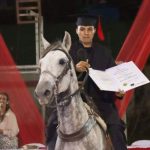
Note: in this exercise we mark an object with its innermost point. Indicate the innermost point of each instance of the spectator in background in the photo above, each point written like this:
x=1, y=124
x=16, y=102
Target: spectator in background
x=8, y=124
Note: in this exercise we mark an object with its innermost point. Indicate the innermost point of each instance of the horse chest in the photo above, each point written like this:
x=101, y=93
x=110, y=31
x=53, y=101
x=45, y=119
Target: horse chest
x=93, y=141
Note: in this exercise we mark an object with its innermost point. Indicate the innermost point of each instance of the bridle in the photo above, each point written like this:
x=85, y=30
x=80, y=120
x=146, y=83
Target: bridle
x=65, y=96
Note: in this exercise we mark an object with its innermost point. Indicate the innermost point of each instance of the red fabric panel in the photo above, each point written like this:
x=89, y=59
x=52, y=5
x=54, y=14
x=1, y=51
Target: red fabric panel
x=30, y=122
x=136, y=47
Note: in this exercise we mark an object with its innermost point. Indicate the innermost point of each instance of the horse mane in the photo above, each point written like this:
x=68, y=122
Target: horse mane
x=54, y=45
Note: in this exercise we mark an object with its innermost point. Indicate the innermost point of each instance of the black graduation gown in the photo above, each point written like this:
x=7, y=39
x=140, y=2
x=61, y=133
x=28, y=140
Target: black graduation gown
x=99, y=58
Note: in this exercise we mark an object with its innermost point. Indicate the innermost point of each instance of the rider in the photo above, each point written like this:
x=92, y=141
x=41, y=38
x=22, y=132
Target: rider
x=87, y=53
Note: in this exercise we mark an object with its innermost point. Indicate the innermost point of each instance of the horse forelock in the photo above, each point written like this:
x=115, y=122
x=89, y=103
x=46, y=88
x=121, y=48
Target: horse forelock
x=55, y=45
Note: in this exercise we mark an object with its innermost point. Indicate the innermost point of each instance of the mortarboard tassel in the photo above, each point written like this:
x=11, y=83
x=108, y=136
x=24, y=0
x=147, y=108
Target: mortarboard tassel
x=100, y=31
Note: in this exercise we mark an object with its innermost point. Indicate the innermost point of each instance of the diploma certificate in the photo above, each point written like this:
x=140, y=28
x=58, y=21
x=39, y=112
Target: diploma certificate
x=124, y=77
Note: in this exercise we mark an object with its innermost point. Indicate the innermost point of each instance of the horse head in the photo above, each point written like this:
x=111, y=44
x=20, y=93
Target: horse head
x=55, y=69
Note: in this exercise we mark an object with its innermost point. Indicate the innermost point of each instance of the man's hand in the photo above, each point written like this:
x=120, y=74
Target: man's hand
x=119, y=62
x=82, y=66
x=120, y=94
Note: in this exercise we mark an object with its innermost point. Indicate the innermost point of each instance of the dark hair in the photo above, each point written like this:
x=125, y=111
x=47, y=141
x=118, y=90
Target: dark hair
x=7, y=96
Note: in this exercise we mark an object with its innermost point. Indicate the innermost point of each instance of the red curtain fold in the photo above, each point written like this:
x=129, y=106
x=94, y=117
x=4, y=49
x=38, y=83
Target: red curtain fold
x=30, y=121
x=136, y=47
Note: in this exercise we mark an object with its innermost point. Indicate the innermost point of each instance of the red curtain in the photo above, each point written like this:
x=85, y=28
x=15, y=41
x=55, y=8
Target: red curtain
x=30, y=122
x=136, y=47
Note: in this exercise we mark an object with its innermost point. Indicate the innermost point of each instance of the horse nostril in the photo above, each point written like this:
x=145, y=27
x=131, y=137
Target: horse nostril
x=47, y=93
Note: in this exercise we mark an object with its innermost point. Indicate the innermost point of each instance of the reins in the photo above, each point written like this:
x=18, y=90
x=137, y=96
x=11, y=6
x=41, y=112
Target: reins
x=79, y=89
x=89, y=124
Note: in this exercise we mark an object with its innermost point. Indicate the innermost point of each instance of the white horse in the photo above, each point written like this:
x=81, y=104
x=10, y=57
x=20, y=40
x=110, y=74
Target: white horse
x=77, y=129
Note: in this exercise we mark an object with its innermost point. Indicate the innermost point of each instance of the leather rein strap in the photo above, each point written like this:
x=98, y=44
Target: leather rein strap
x=90, y=123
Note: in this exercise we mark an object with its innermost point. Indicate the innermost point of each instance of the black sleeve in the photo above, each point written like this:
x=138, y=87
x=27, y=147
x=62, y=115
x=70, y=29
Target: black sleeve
x=73, y=54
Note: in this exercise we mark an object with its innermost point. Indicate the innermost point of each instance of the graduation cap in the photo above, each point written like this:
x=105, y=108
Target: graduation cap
x=89, y=20
x=86, y=20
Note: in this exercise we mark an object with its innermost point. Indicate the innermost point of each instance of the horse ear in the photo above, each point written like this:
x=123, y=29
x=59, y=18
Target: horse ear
x=45, y=43
x=67, y=41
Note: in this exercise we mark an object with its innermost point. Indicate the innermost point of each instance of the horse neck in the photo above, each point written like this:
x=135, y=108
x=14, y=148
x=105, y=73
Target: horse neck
x=73, y=116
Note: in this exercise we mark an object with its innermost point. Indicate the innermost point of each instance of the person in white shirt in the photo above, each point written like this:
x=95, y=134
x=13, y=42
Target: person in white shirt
x=8, y=124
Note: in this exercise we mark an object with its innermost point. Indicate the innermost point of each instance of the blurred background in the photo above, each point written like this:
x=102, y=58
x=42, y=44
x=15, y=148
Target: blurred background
x=116, y=19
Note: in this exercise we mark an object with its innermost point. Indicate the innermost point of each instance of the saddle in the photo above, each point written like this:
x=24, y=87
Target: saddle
x=102, y=124
x=99, y=120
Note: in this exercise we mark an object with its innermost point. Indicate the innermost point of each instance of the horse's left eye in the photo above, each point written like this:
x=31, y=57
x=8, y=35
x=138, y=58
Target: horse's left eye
x=62, y=61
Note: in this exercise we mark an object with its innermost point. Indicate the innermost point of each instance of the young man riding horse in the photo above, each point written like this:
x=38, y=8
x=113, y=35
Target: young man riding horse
x=99, y=58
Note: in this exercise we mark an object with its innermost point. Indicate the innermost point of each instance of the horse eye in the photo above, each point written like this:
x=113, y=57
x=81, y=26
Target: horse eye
x=62, y=61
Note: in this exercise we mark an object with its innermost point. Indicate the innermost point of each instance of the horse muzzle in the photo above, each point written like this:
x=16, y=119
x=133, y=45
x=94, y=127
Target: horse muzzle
x=44, y=92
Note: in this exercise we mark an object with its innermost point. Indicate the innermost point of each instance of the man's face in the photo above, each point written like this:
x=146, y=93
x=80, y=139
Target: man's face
x=85, y=34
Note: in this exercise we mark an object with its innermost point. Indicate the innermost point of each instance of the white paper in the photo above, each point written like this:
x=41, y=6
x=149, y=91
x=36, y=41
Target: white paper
x=124, y=77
